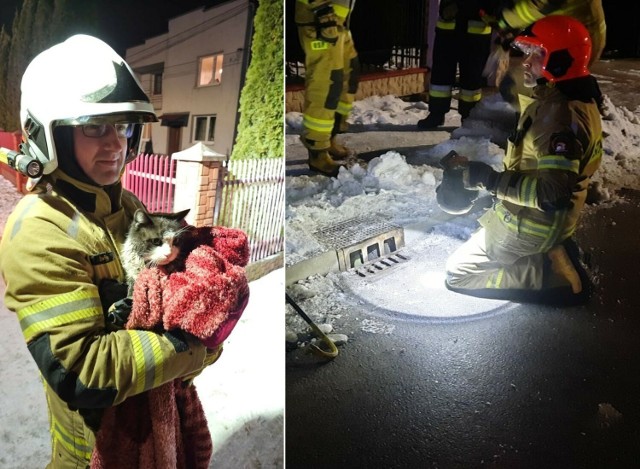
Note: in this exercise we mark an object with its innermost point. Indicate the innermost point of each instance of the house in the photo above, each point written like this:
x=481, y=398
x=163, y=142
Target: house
x=193, y=75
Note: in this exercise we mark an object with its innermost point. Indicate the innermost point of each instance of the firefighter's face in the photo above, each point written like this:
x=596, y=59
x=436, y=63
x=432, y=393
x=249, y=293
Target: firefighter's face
x=100, y=157
x=533, y=62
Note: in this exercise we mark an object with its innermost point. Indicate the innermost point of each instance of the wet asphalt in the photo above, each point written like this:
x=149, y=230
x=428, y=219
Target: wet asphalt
x=536, y=387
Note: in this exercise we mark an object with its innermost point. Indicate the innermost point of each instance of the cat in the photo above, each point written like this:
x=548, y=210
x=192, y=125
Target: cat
x=153, y=240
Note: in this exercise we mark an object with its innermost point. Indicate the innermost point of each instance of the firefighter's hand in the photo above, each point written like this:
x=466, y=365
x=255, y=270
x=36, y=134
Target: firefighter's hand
x=110, y=291
x=479, y=175
x=326, y=22
x=505, y=37
x=115, y=304
x=210, y=358
x=118, y=313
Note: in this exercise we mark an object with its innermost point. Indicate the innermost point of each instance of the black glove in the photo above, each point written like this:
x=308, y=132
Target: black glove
x=325, y=22
x=118, y=313
x=110, y=291
x=479, y=175
x=505, y=38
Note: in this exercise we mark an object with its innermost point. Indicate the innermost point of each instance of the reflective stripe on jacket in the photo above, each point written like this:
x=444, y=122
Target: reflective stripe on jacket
x=548, y=166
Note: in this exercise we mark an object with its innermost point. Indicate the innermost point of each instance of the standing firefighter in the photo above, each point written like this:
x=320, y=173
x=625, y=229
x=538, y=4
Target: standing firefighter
x=81, y=109
x=331, y=67
x=521, y=250
x=462, y=40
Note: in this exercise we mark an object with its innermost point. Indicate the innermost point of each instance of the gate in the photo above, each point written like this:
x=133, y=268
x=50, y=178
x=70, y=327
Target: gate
x=253, y=201
x=151, y=179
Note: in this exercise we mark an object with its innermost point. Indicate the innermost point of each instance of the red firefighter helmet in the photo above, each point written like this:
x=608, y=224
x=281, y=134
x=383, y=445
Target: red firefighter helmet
x=566, y=43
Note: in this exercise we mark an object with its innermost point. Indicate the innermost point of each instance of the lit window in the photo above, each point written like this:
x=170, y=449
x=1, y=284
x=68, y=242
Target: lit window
x=204, y=128
x=210, y=70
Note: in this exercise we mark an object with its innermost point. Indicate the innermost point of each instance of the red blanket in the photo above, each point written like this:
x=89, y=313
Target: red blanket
x=204, y=293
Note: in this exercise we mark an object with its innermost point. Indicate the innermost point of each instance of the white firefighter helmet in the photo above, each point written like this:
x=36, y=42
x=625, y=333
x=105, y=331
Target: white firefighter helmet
x=79, y=81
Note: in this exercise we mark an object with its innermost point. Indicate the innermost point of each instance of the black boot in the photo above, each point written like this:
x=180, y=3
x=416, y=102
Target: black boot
x=432, y=121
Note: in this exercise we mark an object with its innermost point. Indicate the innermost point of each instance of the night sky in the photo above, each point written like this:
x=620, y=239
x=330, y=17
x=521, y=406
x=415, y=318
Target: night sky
x=124, y=23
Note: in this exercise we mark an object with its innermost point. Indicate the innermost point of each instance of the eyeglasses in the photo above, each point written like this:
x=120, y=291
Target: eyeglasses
x=100, y=130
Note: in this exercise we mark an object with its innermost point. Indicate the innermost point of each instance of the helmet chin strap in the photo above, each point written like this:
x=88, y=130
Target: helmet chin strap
x=63, y=140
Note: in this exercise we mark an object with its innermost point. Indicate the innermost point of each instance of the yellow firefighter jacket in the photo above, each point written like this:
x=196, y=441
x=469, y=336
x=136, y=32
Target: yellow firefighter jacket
x=548, y=165
x=57, y=248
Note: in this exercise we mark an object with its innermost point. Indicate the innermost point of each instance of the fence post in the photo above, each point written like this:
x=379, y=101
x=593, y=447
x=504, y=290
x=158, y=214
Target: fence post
x=198, y=171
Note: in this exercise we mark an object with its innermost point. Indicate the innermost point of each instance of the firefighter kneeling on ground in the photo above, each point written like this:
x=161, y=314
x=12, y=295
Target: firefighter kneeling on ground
x=523, y=250
x=331, y=81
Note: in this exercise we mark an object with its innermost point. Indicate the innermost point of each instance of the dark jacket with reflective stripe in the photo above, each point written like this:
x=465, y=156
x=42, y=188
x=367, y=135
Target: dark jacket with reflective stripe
x=549, y=163
x=57, y=248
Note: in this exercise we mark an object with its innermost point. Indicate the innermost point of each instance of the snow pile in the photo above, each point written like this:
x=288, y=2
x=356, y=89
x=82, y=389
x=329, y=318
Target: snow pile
x=621, y=147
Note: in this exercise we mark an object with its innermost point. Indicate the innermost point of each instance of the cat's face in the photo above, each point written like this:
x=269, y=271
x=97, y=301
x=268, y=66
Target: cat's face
x=156, y=237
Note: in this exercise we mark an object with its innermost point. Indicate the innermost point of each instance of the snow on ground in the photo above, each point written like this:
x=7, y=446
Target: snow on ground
x=242, y=393
x=399, y=186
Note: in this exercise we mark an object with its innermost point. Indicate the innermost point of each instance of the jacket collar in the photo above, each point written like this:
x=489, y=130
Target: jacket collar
x=99, y=201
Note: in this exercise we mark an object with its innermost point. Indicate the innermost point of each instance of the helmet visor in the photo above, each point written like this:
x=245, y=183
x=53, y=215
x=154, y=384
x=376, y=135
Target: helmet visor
x=113, y=119
x=528, y=47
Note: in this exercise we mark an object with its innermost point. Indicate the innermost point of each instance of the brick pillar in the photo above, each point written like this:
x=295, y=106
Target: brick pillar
x=198, y=174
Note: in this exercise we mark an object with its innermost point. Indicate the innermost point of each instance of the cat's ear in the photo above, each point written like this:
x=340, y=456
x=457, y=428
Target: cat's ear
x=180, y=215
x=141, y=217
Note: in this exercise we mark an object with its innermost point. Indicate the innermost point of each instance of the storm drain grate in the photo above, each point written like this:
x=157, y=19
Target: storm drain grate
x=381, y=265
x=359, y=241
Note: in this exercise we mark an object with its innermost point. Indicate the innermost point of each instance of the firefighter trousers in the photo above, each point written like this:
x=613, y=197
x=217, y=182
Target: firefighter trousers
x=331, y=82
x=496, y=257
x=467, y=49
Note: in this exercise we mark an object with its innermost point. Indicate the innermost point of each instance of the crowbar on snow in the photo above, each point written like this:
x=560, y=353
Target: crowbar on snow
x=333, y=350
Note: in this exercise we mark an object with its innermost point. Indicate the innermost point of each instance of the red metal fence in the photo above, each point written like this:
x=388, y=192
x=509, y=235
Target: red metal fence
x=253, y=201
x=151, y=179
x=11, y=141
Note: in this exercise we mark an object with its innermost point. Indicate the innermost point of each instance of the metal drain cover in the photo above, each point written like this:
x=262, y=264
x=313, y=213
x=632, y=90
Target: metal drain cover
x=360, y=240
x=381, y=265
x=353, y=231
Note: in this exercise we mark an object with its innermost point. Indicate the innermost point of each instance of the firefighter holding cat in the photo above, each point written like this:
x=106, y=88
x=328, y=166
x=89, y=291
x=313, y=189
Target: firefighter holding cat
x=331, y=81
x=60, y=252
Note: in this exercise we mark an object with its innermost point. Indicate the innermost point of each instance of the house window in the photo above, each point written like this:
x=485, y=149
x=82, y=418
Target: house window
x=157, y=83
x=210, y=70
x=204, y=128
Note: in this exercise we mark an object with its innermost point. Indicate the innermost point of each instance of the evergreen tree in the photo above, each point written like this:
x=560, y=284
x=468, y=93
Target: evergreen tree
x=41, y=32
x=260, y=130
x=5, y=44
x=20, y=54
